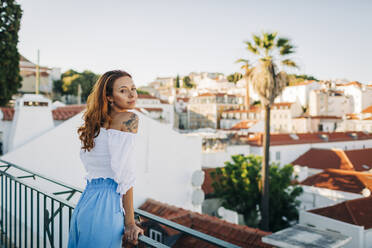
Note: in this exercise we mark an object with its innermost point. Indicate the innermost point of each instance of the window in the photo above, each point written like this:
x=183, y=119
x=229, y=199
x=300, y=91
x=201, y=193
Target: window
x=156, y=235
x=277, y=155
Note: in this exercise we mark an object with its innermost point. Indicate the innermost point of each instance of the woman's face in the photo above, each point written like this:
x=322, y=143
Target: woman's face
x=124, y=94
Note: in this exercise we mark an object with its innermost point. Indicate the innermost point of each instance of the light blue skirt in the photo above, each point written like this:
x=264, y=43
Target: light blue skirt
x=98, y=218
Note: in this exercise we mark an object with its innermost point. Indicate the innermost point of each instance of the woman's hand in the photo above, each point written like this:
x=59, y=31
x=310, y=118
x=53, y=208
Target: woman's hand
x=131, y=233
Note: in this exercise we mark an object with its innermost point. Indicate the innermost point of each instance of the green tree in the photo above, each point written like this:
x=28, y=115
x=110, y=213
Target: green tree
x=177, y=82
x=187, y=82
x=238, y=186
x=10, y=21
x=142, y=92
x=294, y=79
x=235, y=77
x=68, y=85
x=270, y=51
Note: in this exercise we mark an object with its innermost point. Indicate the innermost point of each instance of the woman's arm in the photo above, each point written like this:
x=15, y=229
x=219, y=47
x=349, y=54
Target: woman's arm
x=128, y=207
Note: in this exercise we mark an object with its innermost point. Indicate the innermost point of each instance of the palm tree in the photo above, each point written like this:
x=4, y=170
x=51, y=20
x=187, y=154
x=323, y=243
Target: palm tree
x=268, y=84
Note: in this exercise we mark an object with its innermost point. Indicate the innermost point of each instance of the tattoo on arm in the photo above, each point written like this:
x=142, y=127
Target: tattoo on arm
x=132, y=123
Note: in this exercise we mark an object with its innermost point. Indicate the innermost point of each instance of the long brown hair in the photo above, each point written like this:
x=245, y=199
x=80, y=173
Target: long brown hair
x=98, y=109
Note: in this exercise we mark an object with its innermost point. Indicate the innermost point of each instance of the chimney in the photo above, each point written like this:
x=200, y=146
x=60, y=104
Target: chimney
x=32, y=117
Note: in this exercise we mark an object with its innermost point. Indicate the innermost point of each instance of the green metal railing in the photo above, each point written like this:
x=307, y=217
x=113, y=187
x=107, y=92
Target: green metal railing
x=43, y=220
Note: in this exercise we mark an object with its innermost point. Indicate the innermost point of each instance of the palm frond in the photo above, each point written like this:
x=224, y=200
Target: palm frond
x=245, y=61
x=258, y=41
x=252, y=48
x=282, y=42
x=289, y=63
x=286, y=49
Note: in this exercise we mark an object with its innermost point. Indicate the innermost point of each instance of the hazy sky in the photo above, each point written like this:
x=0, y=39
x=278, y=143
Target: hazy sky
x=169, y=37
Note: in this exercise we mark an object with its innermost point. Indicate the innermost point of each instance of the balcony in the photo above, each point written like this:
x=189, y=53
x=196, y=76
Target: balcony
x=33, y=217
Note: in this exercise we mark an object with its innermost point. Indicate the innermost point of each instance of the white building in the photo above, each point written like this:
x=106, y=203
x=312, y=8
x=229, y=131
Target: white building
x=333, y=186
x=327, y=102
x=299, y=92
x=286, y=148
x=351, y=218
x=358, y=121
x=28, y=73
x=156, y=108
x=360, y=93
x=281, y=116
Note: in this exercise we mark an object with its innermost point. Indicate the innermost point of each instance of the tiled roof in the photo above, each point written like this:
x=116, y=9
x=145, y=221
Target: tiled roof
x=244, y=124
x=184, y=99
x=306, y=138
x=8, y=113
x=68, y=111
x=240, y=235
x=336, y=159
x=318, y=117
x=355, y=83
x=216, y=94
x=357, y=212
x=60, y=113
x=163, y=101
x=367, y=110
x=207, y=184
x=282, y=104
x=304, y=83
x=151, y=109
x=146, y=96
x=252, y=109
x=343, y=180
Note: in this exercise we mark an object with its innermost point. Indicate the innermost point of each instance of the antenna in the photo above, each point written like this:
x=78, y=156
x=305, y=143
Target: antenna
x=37, y=72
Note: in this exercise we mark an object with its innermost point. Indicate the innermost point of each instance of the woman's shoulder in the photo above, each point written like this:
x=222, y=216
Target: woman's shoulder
x=126, y=122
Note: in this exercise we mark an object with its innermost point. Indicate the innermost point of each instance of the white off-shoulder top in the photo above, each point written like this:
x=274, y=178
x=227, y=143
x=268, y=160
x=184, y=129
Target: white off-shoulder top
x=112, y=157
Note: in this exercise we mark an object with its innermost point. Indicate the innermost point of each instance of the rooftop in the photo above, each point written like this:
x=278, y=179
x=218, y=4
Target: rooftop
x=357, y=212
x=305, y=138
x=343, y=180
x=316, y=158
x=240, y=235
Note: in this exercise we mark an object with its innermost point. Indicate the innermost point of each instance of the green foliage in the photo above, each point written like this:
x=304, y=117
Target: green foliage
x=238, y=185
x=10, y=21
x=294, y=79
x=235, y=77
x=68, y=85
x=177, y=82
x=187, y=82
x=142, y=92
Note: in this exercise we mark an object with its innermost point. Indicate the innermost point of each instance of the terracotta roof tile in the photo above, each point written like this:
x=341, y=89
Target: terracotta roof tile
x=244, y=125
x=151, y=109
x=146, y=96
x=336, y=159
x=357, y=212
x=68, y=111
x=318, y=117
x=8, y=113
x=240, y=235
x=306, y=138
x=60, y=113
x=367, y=110
x=207, y=184
x=343, y=180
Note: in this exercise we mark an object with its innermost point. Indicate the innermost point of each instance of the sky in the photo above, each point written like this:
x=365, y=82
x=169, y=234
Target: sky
x=164, y=38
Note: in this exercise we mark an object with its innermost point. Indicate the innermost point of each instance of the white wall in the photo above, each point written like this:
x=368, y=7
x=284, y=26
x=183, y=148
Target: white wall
x=315, y=197
x=357, y=233
x=217, y=159
x=289, y=153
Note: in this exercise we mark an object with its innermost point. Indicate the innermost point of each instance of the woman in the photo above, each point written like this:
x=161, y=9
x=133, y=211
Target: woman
x=108, y=138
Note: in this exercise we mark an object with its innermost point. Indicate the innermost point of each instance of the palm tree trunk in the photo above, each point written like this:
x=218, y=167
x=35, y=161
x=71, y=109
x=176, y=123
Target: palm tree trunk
x=247, y=102
x=265, y=172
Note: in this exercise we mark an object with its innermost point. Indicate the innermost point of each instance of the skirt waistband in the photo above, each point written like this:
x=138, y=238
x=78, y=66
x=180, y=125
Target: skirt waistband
x=101, y=183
